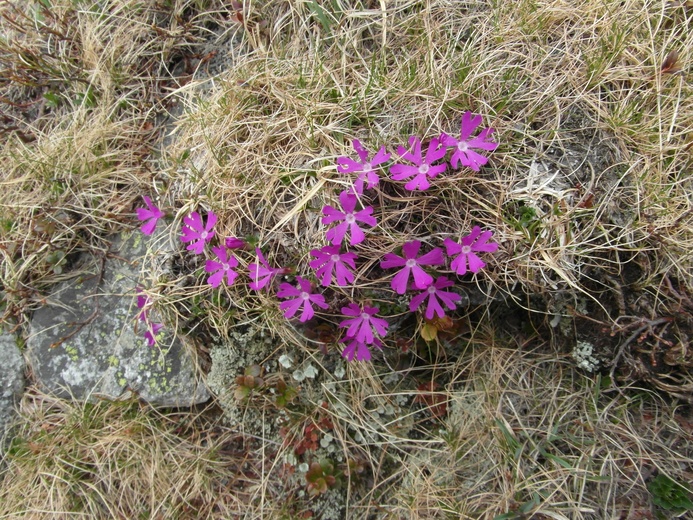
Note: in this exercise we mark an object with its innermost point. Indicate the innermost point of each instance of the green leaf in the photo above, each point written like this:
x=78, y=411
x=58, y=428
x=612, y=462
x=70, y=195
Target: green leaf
x=321, y=15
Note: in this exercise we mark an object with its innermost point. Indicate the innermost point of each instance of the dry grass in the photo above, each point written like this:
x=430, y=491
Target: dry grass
x=529, y=436
x=82, y=87
x=120, y=460
x=588, y=194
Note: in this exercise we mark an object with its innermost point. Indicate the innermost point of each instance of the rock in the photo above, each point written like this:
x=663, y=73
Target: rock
x=11, y=380
x=83, y=342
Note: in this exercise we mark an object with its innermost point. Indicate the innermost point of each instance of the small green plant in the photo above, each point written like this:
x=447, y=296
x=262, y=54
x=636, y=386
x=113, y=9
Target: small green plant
x=249, y=381
x=57, y=260
x=669, y=494
x=285, y=394
x=523, y=218
x=322, y=476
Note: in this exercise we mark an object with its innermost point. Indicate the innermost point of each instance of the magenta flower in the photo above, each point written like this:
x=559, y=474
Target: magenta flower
x=150, y=335
x=356, y=349
x=363, y=324
x=302, y=298
x=349, y=219
x=142, y=303
x=151, y=214
x=365, y=168
x=262, y=274
x=329, y=260
x=196, y=232
x=471, y=244
x=434, y=293
x=234, y=243
x=223, y=267
x=412, y=265
x=464, y=152
x=423, y=165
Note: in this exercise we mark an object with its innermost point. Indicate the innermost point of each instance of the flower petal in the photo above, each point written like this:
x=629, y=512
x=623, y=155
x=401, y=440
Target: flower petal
x=452, y=247
x=421, y=278
x=449, y=298
x=433, y=257
x=336, y=234
x=286, y=290
x=211, y=221
x=360, y=150
x=350, y=310
x=435, y=151
x=392, y=260
x=348, y=201
x=331, y=215
x=194, y=221
x=365, y=216
x=319, y=300
x=357, y=234
x=348, y=165
x=380, y=157
x=400, y=280
x=400, y=172
x=459, y=264
x=148, y=227
x=417, y=300
x=216, y=278
x=434, y=308
x=197, y=247
x=475, y=263
x=468, y=125
x=410, y=249
x=471, y=237
x=290, y=307
x=420, y=182
x=307, y=313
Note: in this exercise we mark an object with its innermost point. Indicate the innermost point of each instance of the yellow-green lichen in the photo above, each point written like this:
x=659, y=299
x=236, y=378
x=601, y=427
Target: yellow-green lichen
x=71, y=351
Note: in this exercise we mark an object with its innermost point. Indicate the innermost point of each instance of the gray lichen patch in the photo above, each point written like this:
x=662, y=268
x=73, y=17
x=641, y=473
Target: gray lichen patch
x=83, y=342
x=11, y=380
x=229, y=361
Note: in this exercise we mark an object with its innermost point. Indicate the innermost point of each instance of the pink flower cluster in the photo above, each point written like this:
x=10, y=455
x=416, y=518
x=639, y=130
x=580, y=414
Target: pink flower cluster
x=349, y=222
x=464, y=257
x=418, y=167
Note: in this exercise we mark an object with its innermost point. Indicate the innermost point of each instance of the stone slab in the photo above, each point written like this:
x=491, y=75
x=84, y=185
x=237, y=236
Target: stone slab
x=84, y=343
x=11, y=380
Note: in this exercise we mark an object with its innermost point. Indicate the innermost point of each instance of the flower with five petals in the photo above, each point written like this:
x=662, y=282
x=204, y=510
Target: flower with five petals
x=223, y=267
x=423, y=168
x=464, y=146
x=196, y=232
x=365, y=169
x=466, y=251
x=301, y=297
x=434, y=293
x=350, y=219
x=412, y=264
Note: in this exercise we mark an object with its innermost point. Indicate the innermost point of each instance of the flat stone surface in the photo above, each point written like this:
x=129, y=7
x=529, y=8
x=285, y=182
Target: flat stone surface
x=11, y=380
x=83, y=343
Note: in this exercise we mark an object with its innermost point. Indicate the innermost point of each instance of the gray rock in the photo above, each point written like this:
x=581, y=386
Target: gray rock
x=11, y=380
x=83, y=342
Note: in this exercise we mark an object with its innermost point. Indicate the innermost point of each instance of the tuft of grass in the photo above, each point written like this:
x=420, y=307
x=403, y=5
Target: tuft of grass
x=577, y=195
x=120, y=460
x=83, y=93
x=526, y=435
